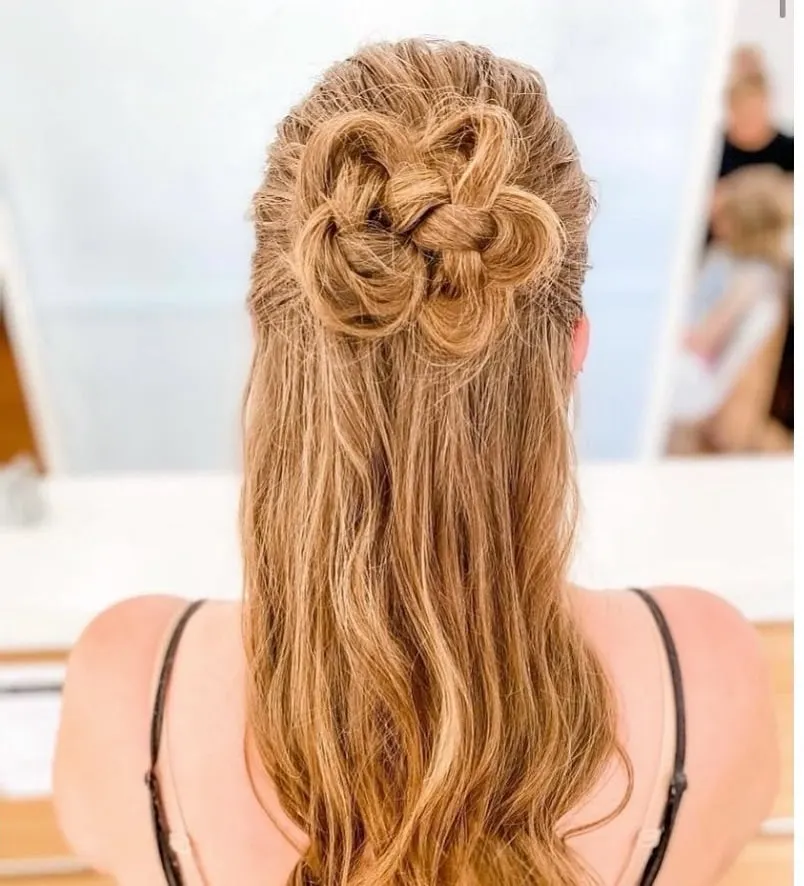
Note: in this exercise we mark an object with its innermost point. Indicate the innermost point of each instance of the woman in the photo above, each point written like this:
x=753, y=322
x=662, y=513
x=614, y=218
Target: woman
x=417, y=695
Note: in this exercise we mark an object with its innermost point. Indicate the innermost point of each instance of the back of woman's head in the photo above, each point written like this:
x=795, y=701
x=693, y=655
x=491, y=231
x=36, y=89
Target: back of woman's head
x=419, y=692
x=747, y=59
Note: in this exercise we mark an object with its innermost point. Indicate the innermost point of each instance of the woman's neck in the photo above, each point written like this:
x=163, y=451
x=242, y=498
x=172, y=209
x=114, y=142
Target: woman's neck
x=753, y=141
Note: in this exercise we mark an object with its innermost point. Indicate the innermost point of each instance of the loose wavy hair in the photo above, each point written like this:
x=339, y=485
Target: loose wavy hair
x=420, y=693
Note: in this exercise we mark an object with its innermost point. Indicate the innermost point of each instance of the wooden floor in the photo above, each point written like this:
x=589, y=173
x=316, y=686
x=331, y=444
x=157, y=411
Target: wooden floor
x=29, y=829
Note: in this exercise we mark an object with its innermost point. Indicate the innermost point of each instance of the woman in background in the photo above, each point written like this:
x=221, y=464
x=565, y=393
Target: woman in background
x=752, y=138
x=412, y=692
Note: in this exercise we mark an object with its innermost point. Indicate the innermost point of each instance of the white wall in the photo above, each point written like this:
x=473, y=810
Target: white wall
x=725, y=525
x=760, y=22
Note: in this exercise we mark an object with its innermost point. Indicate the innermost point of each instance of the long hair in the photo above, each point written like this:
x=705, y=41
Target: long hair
x=420, y=694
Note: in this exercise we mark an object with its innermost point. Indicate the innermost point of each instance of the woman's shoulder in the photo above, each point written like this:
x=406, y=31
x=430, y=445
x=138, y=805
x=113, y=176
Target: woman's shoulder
x=704, y=627
x=733, y=744
x=731, y=741
x=129, y=628
x=724, y=669
x=106, y=707
x=119, y=644
x=707, y=624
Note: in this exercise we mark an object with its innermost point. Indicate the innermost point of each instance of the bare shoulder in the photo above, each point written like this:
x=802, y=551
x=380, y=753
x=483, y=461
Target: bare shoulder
x=711, y=635
x=715, y=640
x=732, y=742
x=103, y=735
x=724, y=668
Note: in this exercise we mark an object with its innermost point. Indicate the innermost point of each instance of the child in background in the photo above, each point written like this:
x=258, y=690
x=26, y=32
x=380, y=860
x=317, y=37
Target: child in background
x=737, y=311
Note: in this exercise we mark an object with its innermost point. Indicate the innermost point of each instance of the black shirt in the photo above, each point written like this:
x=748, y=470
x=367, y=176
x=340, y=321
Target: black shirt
x=779, y=152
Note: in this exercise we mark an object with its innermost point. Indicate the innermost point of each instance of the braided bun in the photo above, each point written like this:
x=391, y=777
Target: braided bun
x=400, y=226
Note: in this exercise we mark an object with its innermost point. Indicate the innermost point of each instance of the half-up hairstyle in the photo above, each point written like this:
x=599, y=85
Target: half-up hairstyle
x=420, y=693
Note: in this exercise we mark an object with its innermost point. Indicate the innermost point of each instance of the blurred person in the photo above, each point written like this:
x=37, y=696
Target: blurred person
x=411, y=692
x=752, y=137
x=732, y=348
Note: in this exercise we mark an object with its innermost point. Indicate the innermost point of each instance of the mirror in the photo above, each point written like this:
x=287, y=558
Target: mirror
x=731, y=372
x=132, y=141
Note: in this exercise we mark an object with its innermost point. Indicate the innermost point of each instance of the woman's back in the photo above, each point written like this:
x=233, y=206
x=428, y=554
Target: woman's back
x=424, y=697
x=236, y=824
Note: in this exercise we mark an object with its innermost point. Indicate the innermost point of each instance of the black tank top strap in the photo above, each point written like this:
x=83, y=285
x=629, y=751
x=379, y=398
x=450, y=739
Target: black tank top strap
x=678, y=780
x=167, y=856
x=676, y=789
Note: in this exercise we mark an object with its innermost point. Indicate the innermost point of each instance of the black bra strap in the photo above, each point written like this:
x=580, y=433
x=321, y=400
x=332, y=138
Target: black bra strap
x=167, y=857
x=158, y=714
x=678, y=780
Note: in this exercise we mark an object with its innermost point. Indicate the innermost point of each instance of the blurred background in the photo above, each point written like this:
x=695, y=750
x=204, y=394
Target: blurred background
x=132, y=135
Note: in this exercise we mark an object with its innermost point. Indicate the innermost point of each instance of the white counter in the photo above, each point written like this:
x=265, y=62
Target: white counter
x=726, y=525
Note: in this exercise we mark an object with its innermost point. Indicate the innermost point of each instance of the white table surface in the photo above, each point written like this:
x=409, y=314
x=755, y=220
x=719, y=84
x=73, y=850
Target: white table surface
x=722, y=524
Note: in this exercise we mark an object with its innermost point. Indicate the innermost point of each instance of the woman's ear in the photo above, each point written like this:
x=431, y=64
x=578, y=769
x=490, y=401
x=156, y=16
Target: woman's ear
x=580, y=344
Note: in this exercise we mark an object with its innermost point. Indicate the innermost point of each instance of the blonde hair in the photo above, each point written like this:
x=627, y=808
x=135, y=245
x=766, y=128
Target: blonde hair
x=751, y=83
x=748, y=73
x=747, y=59
x=756, y=203
x=419, y=691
